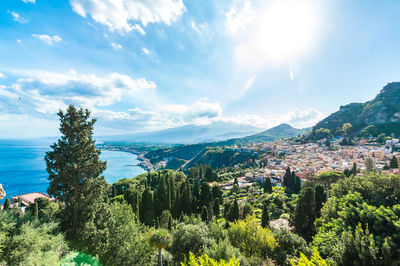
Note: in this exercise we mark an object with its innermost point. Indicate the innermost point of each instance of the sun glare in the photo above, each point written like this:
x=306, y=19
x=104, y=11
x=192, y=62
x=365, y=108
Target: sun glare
x=282, y=30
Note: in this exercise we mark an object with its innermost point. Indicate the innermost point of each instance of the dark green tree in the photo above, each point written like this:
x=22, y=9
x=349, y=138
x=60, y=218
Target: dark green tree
x=162, y=199
x=216, y=207
x=235, y=211
x=75, y=170
x=35, y=210
x=394, y=164
x=267, y=185
x=320, y=199
x=147, y=213
x=304, y=216
x=297, y=185
x=186, y=198
x=286, y=178
x=205, y=195
x=354, y=169
x=265, y=216
x=204, y=214
x=6, y=205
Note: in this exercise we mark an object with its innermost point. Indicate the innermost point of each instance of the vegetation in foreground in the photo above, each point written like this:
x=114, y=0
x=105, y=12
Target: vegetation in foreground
x=174, y=218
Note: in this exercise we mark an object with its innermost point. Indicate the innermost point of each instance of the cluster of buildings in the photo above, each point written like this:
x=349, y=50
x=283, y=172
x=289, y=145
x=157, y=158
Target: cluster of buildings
x=316, y=158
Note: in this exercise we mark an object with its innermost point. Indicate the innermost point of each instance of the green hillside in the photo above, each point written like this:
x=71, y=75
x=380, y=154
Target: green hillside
x=380, y=115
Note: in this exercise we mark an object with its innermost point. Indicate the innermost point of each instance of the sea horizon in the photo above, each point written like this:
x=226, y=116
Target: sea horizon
x=23, y=169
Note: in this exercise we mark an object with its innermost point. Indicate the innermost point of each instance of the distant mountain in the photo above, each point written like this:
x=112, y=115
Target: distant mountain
x=189, y=134
x=279, y=132
x=380, y=115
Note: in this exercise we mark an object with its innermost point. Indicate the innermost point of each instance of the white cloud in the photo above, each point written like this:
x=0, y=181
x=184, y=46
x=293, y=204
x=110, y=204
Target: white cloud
x=145, y=51
x=19, y=41
x=47, y=39
x=28, y=1
x=116, y=45
x=2, y=75
x=239, y=15
x=17, y=17
x=295, y=118
x=201, y=28
x=291, y=75
x=120, y=15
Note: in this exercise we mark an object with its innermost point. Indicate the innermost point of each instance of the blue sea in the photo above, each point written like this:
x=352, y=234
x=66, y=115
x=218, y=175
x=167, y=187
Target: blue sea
x=23, y=169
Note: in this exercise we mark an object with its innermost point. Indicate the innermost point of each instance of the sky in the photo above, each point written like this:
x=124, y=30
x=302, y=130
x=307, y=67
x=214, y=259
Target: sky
x=142, y=65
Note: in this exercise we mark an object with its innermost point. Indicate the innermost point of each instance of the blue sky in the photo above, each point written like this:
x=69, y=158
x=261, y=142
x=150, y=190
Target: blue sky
x=146, y=65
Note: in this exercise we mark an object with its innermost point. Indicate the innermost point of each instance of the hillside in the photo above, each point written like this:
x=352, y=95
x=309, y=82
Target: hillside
x=379, y=115
x=197, y=153
x=281, y=131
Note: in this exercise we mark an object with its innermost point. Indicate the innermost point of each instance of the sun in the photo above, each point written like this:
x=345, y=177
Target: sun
x=280, y=31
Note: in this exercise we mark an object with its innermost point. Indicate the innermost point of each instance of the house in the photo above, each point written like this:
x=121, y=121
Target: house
x=29, y=198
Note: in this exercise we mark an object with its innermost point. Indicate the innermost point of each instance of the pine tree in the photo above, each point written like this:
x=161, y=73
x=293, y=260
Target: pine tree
x=320, y=199
x=297, y=185
x=6, y=205
x=265, y=216
x=75, y=170
x=394, y=164
x=267, y=185
x=304, y=216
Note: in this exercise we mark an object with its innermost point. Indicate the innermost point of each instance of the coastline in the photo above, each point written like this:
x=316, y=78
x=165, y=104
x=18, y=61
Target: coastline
x=144, y=163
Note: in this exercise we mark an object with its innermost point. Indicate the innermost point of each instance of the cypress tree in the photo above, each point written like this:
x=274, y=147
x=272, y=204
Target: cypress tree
x=35, y=210
x=205, y=195
x=297, y=185
x=216, y=207
x=235, y=210
x=235, y=182
x=292, y=180
x=286, y=178
x=75, y=169
x=186, y=198
x=267, y=185
x=210, y=212
x=394, y=164
x=162, y=200
x=204, y=214
x=265, y=216
x=354, y=169
x=320, y=199
x=6, y=205
x=304, y=216
x=147, y=213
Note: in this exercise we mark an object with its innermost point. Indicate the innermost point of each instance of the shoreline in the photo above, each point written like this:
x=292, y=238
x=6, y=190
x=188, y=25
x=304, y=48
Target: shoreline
x=144, y=163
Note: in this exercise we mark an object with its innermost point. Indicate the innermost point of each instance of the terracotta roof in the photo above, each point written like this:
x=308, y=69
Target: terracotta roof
x=30, y=197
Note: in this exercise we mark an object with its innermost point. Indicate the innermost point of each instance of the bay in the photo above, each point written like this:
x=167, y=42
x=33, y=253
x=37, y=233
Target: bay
x=23, y=169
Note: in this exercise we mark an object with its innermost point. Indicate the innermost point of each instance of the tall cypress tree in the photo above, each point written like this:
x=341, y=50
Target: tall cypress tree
x=186, y=198
x=204, y=214
x=267, y=185
x=205, y=195
x=35, y=210
x=265, y=216
x=216, y=207
x=6, y=205
x=75, y=170
x=320, y=199
x=235, y=210
x=394, y=163
x=147, y=213
x=297, y=185
x=286, y=178
x=354, y=169
x=162, y=200
x=304, y=216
